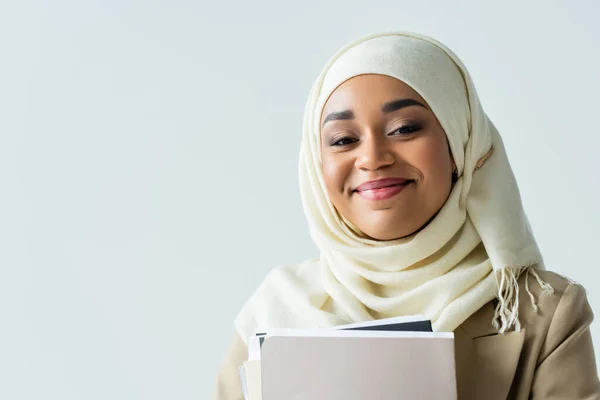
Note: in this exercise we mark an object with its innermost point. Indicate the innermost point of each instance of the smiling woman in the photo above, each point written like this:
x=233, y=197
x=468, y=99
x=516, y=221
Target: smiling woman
x=412, y=202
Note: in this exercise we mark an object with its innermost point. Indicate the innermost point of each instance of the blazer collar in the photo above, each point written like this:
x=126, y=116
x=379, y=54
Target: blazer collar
x=485, y=360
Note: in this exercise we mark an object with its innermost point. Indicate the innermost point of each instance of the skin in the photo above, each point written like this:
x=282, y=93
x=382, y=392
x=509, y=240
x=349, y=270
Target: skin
x=372, y=144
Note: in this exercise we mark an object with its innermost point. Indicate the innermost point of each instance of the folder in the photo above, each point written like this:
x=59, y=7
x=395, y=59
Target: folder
x=350, y=363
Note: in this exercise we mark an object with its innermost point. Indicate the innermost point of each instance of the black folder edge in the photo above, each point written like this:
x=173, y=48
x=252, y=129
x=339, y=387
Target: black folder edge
x=413, y=326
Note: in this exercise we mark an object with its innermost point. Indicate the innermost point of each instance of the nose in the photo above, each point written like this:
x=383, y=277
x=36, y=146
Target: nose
x=374, y=153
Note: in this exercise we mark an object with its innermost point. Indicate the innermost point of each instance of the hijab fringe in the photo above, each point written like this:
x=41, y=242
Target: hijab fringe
x=506, y=315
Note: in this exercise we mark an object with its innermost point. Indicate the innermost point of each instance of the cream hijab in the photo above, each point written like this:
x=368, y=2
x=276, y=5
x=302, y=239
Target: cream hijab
x=471, y=252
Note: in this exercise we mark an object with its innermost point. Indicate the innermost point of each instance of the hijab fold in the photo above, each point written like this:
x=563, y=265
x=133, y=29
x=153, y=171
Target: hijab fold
x=474, y=249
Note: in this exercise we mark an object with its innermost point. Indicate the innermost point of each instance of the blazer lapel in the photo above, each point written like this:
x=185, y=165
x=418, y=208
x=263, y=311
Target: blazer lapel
x=485, y=360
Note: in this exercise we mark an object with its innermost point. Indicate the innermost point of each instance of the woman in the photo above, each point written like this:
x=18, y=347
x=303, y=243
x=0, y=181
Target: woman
x=412, y=202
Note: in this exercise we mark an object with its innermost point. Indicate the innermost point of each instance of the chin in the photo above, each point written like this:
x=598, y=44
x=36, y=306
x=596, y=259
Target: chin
x=386, y=235
x=391, y=227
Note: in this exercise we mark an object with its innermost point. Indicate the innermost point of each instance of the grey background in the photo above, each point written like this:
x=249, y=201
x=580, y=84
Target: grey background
x=148, y=155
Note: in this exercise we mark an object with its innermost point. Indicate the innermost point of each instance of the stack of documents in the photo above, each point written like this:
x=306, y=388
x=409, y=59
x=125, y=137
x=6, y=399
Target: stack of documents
x=389, y=359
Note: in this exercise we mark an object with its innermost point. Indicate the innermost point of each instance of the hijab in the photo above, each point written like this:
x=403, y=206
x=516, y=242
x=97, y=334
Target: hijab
x=471, y=252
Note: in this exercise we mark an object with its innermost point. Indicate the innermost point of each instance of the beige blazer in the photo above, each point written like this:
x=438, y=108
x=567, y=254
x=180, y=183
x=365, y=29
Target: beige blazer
x=552, y=357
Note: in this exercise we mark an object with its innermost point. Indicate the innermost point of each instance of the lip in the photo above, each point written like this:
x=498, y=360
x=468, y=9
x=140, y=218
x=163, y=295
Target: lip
x=382, y=189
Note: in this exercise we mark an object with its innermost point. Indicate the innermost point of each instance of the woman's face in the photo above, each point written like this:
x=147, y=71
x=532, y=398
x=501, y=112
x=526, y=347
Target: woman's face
x=386, y=160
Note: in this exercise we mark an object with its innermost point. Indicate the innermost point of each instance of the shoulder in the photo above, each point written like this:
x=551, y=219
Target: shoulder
x=284, y=292
x=558, y=282
x=291, y=278
x=537, y=307
x=288, y=279
x=547, y=315
x=557, y=358
x=538, y=303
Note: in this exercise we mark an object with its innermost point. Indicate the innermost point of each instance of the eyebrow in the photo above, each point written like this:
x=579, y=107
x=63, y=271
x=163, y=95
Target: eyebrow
x=386, y=109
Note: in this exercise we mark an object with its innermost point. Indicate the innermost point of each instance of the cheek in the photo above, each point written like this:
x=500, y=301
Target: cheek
x=431, y=156
x=334, y=174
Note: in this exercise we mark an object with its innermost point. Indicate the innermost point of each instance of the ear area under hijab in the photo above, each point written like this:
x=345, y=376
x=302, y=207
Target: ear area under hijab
x=483, y=159
x=479, y=164
x=454, y=169
x=454, y=175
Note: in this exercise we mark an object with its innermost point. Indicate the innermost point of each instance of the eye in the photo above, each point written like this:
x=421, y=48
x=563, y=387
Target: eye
x=342, y=141
x=405, y=130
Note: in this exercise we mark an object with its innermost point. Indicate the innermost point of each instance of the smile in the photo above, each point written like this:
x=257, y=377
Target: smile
x=383, y=193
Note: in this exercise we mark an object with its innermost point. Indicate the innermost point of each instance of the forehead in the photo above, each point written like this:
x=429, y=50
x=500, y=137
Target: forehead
x=368, y=89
